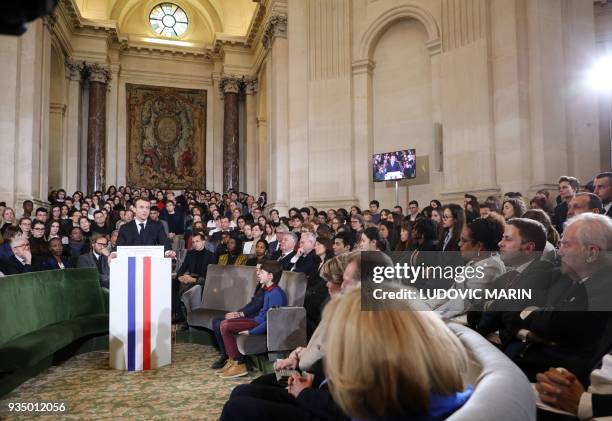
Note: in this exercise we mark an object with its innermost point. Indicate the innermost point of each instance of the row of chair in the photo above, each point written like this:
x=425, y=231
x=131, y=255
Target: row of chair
x=228, y=288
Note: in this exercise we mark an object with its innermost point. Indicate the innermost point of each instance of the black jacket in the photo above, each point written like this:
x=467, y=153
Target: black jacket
x=12, y=266
x=153, y=235
x=196, y=263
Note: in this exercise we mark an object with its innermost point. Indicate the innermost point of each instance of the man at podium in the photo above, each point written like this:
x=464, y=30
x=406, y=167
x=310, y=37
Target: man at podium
x=143, y=231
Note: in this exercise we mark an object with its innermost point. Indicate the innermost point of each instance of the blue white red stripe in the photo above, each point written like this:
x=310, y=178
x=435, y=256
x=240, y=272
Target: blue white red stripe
x=139, y=337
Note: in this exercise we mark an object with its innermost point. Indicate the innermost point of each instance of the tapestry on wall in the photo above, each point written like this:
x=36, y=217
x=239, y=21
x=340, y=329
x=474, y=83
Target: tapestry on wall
x=166, y=137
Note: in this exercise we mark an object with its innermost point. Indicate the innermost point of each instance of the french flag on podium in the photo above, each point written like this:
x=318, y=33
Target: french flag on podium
x=140, y=309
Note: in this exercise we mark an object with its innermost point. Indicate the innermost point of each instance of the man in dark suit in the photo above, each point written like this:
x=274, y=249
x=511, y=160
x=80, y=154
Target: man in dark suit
x=568, y=329
x=286, y=252
x=97, y=258
x=225, y=227
x=144, y=232
x=305, y=259
x=564, y=387
x=193, y=270
x=603, y=188
x=21, y=260
x=520, y=248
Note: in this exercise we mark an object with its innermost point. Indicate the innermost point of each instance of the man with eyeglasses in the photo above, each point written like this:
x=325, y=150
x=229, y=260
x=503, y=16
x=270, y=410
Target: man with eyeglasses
x=97, y=258
x=21, y=260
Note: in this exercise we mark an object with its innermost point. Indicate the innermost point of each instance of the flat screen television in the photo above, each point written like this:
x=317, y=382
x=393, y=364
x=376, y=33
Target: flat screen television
x=391, y=166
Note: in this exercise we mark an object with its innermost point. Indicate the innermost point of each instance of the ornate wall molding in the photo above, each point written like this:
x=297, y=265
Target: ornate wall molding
x=250, y=85
x=50, y=21
x=97, y=72
x=391, y=16
x=363, y=66
x=275, y=27
x=230, y=84
x=74, y=69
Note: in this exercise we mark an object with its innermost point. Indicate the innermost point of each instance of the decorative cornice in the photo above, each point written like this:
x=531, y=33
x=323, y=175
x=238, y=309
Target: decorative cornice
x=97, y=72
x=275, y=27
x=72, y=12
x=74, y=69
x=49, y=21
x=256, y=22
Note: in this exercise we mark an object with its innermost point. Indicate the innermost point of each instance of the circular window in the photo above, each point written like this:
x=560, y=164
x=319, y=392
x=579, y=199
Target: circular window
x=168, y=20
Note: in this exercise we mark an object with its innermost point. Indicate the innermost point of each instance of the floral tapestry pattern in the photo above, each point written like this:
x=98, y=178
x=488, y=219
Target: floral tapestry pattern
x=166, y=137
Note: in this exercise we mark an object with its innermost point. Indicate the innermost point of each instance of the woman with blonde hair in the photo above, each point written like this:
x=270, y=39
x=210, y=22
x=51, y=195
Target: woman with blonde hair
x=7, y=218
x=308, y=397
x=369, y=374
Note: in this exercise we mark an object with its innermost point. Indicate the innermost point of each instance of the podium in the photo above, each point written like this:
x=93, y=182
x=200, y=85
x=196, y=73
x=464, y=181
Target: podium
x=140, y=309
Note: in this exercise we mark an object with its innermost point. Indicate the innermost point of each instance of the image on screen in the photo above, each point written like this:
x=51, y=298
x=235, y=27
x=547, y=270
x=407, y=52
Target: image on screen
x=390, y=166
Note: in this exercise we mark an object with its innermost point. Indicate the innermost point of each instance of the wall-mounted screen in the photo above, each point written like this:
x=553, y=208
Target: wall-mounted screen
x=391, y=166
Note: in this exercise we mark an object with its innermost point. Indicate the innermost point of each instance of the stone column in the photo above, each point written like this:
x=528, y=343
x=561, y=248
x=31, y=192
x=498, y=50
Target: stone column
x=250, y=89
x=98, y=76
x=274, y=40
x=230, y=87
x=71, y=173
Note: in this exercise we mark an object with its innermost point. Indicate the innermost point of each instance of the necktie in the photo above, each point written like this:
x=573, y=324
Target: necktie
x=99, y=264
x=140, y=231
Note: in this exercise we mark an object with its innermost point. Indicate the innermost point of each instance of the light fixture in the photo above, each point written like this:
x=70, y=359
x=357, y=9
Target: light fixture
x=600, y=75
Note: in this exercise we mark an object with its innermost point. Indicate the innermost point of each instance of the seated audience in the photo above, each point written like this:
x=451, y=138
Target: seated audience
x=97, y=258
x=77, y=245
x=371, y=240
x=192, y=271
x=250, y=310
x=233, y=254
x=38, y=244
x=269, y=275
x=552, y=236
x=25, y=226
x=520, y=248
x=568, y=187
x=388, y=234
x=429, y=385
x=404, y=238
x=479, y=247
x=513, y=207
x=21, y=259
x=286, y=252
x=323, y=250
x=343, y=243
x=261, y=253
x=566, y=330
x=602, y=187
x=5, y=248
x=584, y=202
x=56, y=258
x=453, y=218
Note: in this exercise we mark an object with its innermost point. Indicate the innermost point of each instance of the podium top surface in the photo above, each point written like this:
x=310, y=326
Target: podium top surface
x=135, y=251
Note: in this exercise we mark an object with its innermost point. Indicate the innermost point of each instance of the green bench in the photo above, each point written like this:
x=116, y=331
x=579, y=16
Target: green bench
x=46, y=317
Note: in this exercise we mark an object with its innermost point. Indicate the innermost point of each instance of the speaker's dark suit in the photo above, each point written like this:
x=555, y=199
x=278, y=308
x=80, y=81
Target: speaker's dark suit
x=153, y=235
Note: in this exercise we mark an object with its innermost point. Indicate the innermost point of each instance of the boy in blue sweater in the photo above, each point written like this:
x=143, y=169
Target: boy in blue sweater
x=269, y=274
